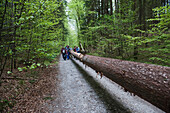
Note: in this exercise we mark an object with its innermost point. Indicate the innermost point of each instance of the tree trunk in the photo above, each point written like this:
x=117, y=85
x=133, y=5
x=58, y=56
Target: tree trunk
x=111, y=7
x=140, y=13
x=14, y=49
x=98, y=8
x=12, y=45
x=133, y=76
x=3, y=18
x=3, y=66
x=116, y=6
x=135, y=55
x=102, y=7
x=144, y=15
x=106, y=7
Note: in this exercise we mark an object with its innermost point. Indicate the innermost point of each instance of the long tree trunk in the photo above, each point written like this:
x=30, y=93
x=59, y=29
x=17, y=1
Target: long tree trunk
x=140, y=23
x=106, y=7
x=12, y=45
x=144, y=14
x=133, y=76
x=135, y=45
x=3, y=18
x=14, y=49
x=2, y=57
x=115, y=6
x=111, y=7
x=3, y=64
x=102, y=7
x=98, y=6
x=140, y=13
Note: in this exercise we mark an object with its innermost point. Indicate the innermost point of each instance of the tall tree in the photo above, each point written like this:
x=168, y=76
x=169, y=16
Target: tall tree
x=111, y=7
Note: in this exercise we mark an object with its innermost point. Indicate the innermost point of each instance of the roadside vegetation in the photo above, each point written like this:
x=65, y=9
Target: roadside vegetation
x=135, y=30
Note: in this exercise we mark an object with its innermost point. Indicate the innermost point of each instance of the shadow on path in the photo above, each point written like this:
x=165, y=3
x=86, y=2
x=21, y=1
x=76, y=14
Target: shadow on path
x=111, y=104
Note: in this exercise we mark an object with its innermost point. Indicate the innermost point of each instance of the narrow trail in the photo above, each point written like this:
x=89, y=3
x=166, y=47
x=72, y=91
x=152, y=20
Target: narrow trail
x=80, y=91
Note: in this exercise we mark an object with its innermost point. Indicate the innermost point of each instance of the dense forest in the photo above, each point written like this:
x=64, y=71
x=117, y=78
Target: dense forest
x=33, y=32
x=136, y=30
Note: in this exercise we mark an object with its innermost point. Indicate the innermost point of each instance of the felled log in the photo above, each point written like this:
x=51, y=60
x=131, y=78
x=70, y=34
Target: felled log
x=148, y=81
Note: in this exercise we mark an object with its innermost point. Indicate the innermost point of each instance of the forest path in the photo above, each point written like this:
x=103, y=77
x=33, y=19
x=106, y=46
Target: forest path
x=80, y=91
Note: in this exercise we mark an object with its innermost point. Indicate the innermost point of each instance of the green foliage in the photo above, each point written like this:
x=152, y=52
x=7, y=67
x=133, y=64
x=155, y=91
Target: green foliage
x=161, y=37
x=126, y=34
x=39, y=32
x=22, y=68
x=9, y=72
x=33, y=66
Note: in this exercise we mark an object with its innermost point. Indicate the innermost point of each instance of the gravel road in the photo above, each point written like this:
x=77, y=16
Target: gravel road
x=80, y=90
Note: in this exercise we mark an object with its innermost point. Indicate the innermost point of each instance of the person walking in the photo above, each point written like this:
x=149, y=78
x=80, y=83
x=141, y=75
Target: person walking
x=77, y=49
x=63, y=52
x=68, y=53
x=74, y=49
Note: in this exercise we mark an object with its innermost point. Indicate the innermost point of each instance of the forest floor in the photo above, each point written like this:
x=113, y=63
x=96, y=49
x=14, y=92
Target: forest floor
x=67, y=87
x=28, y=91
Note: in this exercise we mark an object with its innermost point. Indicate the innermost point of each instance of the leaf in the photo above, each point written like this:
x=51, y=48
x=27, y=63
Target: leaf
x=21, y=19
x=38, y=64
x=9, y=72
x=33, y=66
x=20, y=69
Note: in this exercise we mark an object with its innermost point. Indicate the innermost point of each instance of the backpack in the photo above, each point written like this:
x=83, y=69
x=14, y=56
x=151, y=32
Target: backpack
x=64, y=51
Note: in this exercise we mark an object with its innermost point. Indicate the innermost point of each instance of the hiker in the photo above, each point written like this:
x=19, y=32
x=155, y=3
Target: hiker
x=77, y=49
x=68, y=53
x=63, y=52
x=74, y=49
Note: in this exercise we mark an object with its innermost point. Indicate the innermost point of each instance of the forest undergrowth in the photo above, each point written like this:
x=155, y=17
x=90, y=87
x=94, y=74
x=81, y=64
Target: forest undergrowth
x=28, y=91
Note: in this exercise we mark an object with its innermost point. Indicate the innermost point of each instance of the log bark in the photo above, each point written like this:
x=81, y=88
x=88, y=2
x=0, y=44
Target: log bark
x=148, y=81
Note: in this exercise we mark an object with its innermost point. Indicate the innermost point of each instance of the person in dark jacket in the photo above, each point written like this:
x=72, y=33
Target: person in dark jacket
x=74, y=49
x=68, y=53
x=63, y=52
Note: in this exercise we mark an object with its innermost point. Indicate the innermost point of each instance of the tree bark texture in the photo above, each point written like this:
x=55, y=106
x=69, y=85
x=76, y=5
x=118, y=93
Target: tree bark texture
x=150, y=82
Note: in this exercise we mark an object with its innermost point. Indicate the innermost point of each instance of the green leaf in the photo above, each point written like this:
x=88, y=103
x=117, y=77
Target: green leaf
x=21, y=19
x=38, y=64
x=9, y=72
x=20, y=69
